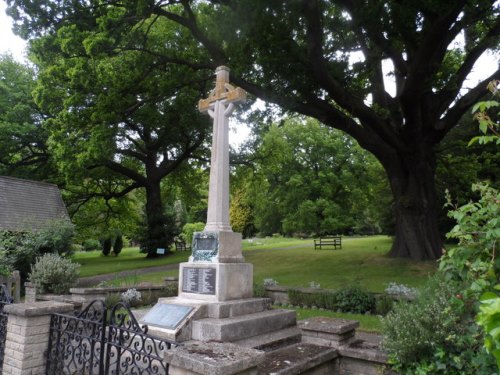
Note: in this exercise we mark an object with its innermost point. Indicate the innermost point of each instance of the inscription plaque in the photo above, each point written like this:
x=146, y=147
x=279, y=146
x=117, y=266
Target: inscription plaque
x=198, y=280
x=205, y=246
x=166, y=315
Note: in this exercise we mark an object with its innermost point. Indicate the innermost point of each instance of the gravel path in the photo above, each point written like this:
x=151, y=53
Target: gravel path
x=94, y=280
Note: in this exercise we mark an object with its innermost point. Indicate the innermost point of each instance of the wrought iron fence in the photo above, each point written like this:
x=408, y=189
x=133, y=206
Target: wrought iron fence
x=5, y=299
x=102, y=341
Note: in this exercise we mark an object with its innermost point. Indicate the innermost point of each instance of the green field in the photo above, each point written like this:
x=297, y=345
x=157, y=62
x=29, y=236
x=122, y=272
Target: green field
x=291, y=262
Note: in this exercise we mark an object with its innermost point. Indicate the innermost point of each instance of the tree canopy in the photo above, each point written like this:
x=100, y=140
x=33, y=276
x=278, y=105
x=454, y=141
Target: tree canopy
x=326, y=60
x=121, y=119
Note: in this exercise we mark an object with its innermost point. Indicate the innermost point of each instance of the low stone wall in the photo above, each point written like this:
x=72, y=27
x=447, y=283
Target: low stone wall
x=356, y=356
x=279, y=294
x=81, y=297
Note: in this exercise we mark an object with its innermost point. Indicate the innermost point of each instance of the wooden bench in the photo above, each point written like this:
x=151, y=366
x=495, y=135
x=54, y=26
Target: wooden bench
x=328, y=241
x=180, y=245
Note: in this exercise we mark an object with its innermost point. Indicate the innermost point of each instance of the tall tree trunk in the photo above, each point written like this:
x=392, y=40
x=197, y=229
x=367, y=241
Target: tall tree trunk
x=413, y=185
x=156, y=236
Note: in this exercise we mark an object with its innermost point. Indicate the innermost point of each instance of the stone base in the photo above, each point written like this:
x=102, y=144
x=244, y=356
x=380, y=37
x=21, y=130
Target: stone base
x=198, y=358
x=335, y=333
x=232, y=281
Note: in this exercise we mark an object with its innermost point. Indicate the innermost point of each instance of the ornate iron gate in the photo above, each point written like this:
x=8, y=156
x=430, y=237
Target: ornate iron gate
x=5, y=299
x=102, y=341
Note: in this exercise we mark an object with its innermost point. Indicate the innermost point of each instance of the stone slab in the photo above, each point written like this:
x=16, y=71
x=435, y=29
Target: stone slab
x=273, y=340
x=33, y=309
x=328, y=325
x=239, y=328
x=300, y=359
x=230, y=309
x=213, y=358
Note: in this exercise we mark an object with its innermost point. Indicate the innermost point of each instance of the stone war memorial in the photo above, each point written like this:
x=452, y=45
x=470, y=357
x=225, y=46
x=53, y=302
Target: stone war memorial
x=215, y=300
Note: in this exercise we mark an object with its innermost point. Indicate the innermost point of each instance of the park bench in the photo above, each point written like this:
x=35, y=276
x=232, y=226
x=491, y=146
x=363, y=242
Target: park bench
x=180, y=245
x=328, y=241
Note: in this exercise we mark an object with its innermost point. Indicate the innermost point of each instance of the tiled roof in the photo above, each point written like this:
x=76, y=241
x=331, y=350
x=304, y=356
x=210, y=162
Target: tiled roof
x=27, y=205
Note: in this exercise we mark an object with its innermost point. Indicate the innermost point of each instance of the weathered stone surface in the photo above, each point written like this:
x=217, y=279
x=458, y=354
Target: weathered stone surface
x=300, y=359
x=272, y=340
x=238, y=328
x=214, y=358
x=37, y=308
x=328, y=325
x=230, y=309
x=27, y=338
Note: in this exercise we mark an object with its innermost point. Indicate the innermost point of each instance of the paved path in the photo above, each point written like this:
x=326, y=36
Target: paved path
x=94, y=280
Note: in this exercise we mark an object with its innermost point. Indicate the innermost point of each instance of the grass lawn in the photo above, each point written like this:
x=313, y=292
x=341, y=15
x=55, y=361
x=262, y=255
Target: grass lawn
x=94, y=263
x=361, y=261
x=291, y=262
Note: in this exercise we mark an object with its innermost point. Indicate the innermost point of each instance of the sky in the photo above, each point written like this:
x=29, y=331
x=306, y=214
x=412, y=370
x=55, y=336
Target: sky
x=8, y=41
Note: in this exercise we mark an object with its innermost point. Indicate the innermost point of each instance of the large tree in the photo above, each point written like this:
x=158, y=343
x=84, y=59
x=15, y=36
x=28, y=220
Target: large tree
x=300, y=54
x=121, y=120
x=23, y=148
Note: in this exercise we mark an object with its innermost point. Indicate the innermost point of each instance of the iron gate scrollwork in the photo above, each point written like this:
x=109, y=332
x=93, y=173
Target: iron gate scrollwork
x=102, y=341
x=5, y=299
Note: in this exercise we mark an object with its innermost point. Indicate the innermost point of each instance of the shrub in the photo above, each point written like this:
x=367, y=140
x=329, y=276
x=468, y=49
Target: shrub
x=435, y=334
x=131, y=297
x=91, y=244
x=354, y=300
x=22, y=248
x=324, y=300
x=401, y=290
x=259, y=290
x=5, y=265
x=383, y=304
x=118, y=244
x=52, y=273
x=107, y=244
x=56, y=237
x=189, y=229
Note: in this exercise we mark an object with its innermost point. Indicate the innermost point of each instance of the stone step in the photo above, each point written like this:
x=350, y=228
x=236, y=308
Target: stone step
x=272, y=341
x=300, y=359
x=241, y=327
x=234, y=308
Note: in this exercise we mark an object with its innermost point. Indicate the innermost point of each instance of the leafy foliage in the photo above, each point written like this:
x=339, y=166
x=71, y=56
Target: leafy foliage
x=20, y=249
x=118, y=244
x=189, y=229
x=436, y=334
x=107, y=244
x=52, y=273
x=355, y=300
x=311, y=180
x=241, y=214
x=489, y=126
x=351, y=299
x=23, y=137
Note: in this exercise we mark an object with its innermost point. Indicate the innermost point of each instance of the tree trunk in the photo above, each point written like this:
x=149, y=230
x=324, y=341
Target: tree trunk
x=413, y=186
x=156, y=236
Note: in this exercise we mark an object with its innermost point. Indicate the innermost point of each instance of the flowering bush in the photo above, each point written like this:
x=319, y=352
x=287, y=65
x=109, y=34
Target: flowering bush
x=52, y=273
x=131, y=297
x=395, y=289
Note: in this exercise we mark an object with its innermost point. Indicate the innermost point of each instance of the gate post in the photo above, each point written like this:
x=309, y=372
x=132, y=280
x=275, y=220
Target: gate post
x=27, y=340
